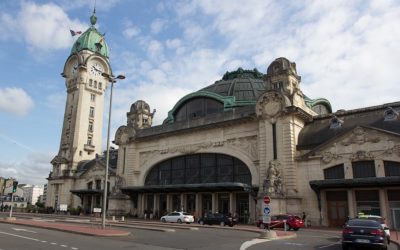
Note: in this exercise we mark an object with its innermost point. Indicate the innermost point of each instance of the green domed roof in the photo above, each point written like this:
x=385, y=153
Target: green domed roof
x=91, y=40
x=245, y=86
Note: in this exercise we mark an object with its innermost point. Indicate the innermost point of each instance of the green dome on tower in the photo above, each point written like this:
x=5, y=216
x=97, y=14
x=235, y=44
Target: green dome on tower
x=91, y=40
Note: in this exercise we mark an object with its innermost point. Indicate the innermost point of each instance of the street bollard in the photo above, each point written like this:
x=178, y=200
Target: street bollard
x=113, y=218
x=284, y=225
x=122, y=218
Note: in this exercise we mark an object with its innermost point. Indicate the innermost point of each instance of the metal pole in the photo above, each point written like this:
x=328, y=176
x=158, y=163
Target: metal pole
x=12, y=204
x=103, y=222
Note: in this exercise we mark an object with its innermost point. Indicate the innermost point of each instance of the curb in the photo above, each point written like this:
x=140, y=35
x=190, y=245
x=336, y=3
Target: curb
x=81, y=230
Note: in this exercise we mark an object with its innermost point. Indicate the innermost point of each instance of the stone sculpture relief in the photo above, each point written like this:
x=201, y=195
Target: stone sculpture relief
x=274, y=178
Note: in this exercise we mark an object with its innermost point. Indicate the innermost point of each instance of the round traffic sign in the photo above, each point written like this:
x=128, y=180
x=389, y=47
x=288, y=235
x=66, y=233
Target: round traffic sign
x=267, y=200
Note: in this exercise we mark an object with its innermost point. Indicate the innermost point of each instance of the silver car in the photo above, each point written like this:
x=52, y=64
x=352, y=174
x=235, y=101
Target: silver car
x=179, y=217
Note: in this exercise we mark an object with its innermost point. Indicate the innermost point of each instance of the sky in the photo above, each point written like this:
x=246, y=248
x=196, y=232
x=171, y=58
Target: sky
x=345, y=51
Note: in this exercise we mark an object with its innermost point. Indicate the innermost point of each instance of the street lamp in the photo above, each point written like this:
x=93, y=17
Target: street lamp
x=111, y=79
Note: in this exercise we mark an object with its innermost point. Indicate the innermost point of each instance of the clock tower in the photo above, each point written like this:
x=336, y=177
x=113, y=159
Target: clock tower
x=83, y=116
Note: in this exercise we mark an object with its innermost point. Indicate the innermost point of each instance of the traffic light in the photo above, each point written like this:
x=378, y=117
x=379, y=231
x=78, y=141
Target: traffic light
x=15, y=184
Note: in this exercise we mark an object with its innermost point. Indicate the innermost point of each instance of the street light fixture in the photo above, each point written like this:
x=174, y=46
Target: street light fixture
x=111, y=79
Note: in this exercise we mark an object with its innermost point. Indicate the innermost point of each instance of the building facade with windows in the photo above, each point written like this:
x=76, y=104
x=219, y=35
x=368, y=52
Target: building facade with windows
x=224, y=147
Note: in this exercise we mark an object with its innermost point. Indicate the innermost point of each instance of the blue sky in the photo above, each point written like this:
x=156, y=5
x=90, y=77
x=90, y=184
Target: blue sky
x=345, y=51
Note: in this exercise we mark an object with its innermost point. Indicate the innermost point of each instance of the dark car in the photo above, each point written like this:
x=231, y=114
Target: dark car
x=278, y=221
x=364, y=233
x=217, y=219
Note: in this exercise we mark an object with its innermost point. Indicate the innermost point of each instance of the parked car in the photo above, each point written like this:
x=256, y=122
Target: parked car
x=379, y=219
x=364, y=233
x=217, y=219
x=178, y=217
x=278, y=221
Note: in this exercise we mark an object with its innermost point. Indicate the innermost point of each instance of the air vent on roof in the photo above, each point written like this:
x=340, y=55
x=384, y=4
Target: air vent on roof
x=390, y=114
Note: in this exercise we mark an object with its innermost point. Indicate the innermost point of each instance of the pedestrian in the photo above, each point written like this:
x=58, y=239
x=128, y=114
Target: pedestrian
x=303, y=217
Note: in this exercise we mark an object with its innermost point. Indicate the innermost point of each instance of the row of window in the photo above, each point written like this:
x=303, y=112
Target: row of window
x=362, y=169
x=199, y=168
x=97, y=185
x=95, y=84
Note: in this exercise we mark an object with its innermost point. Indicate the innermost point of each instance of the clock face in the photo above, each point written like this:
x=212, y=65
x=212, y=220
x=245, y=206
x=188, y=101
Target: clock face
x=96, y=69
x=74, y=68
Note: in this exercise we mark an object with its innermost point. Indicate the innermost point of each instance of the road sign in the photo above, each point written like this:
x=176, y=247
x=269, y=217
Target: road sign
x=266, y=218
x=267, y=200
x=267, y=210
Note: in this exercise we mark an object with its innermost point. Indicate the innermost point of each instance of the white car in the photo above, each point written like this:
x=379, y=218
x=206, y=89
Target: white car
x=378, y=219
x=178, y=217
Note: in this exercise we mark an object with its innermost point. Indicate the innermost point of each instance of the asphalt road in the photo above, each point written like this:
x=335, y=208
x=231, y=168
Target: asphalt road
x=198, y=238
x=307, y=239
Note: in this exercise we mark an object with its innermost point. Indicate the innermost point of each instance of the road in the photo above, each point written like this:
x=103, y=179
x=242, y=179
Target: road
x=194, y=237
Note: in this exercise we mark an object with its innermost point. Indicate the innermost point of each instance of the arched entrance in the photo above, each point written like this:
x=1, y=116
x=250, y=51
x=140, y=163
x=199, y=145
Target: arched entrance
x=198, y=184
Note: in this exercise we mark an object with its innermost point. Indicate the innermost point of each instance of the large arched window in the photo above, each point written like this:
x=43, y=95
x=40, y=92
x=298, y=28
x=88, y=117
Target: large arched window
x=198, y=107
x=199, y=168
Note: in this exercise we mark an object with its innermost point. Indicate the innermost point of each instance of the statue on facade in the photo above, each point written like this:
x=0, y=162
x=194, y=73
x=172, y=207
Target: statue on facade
x=275, y=179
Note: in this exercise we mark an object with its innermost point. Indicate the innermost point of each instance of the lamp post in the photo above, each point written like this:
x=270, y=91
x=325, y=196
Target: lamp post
x=112, y=80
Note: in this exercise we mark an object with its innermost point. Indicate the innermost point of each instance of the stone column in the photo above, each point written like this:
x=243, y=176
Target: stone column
x=382, y=203
x=142, y=203
x=199, y=212
x=350, y=203
x=214, y=201
x=169, y=203
x=183, y=202
x=252, y=210
x=232, y=203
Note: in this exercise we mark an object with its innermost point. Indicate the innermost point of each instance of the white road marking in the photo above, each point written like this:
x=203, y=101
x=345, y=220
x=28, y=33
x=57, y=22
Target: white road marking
x=53, y=243
x=63, y=246
x=22, y=229
x=44, y=241
x=249, y=243
x=74, y=248
x=294, y=244
x=20, y=236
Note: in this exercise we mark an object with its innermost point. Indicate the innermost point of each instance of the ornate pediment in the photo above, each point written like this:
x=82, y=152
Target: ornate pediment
x=359, y=136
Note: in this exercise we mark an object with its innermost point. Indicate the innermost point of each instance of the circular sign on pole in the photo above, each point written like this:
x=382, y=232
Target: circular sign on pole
x=267, y=200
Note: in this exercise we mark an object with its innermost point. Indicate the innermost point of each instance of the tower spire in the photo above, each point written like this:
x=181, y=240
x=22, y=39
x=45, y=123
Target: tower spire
x=93, y=18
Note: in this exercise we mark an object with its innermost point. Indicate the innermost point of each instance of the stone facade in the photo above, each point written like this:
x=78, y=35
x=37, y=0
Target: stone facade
x=226, y=146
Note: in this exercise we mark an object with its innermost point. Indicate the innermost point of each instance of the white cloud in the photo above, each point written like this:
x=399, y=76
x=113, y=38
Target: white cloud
x=157, y=25
x=32, y=170
x=43, y=27
x=131, y=30
x=15, y=101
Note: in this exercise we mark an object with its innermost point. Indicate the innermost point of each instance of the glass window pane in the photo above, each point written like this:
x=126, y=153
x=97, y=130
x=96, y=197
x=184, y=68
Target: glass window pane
x=392, y=168
x=335, y=172
x=363, y=169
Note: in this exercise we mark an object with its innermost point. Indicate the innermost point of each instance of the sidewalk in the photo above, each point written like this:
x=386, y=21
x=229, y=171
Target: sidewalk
x=94, y=230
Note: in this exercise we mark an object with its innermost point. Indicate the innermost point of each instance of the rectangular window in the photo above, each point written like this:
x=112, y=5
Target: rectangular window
x=98, y=184
x=100, y=85
x=90, y=127
x=90, y=185
x=90, y=82
x=368, y=202
x=95, y=84
x=335, y=172
x=92, y=97
x=392, y=168
x=91, y=112
x=89, y=140
x=363, y=169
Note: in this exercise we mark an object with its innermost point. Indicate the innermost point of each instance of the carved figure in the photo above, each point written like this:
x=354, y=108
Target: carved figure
x=275, y=178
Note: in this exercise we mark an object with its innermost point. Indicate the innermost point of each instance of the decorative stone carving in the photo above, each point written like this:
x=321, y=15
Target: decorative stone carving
x=327, y=157
x=269, y=104
x=359, y=136
x=362, y=155
x=247, y=145
x=123, y=134
x=394, y=150
x=274, y=178
x=119, y=183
